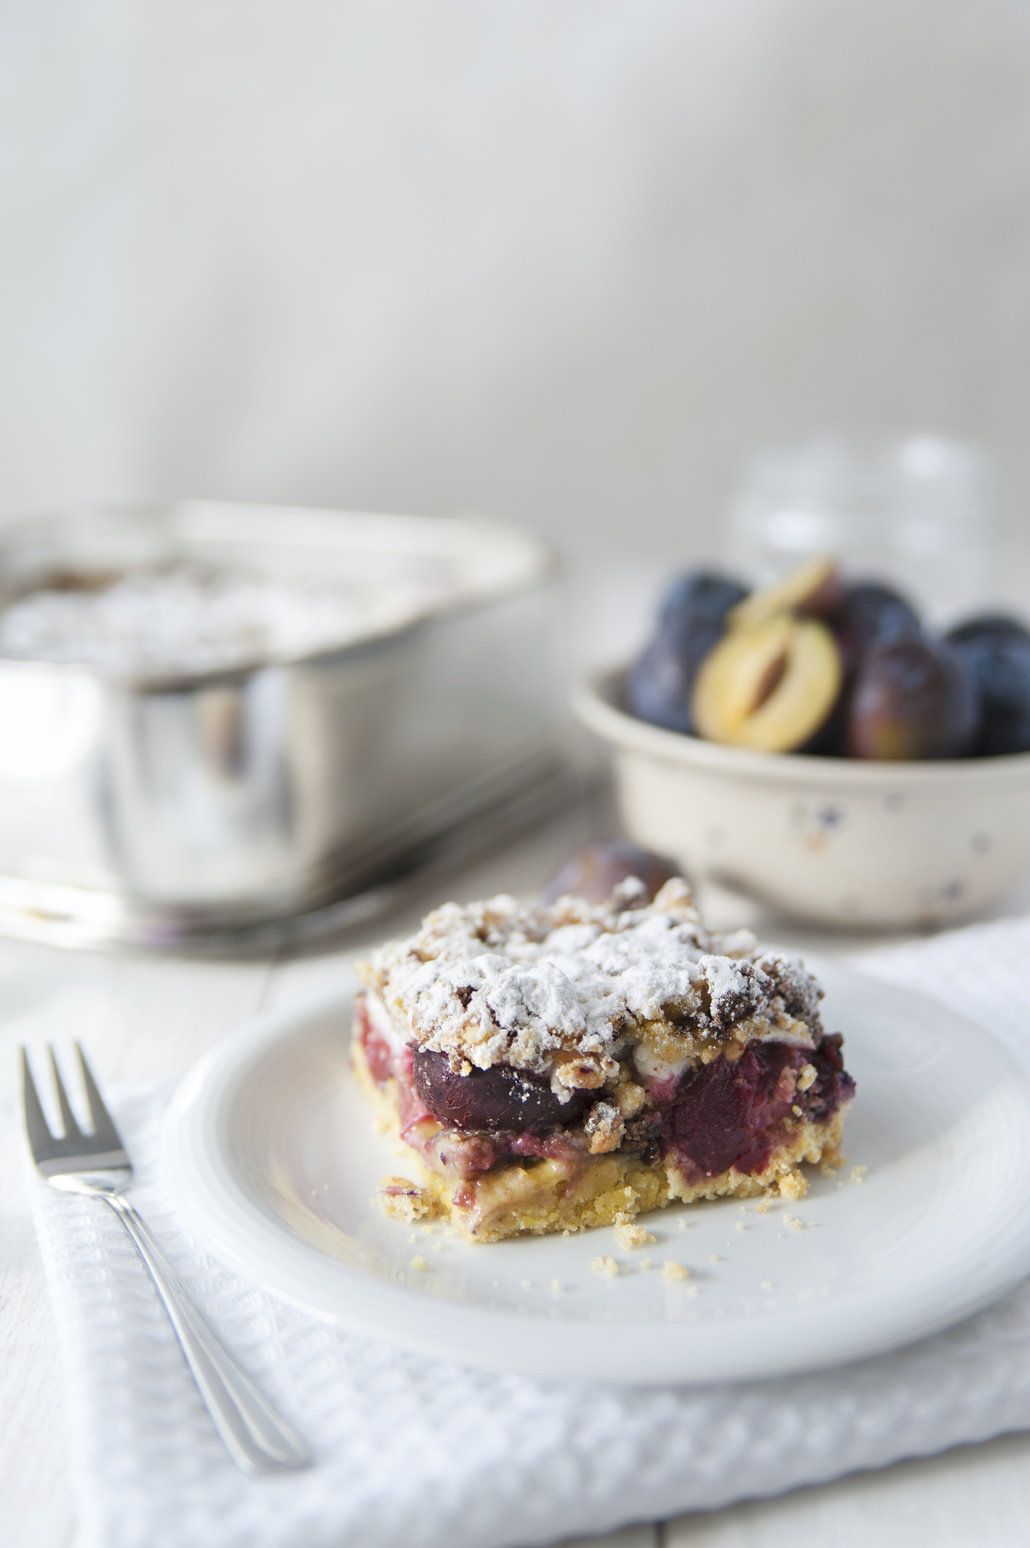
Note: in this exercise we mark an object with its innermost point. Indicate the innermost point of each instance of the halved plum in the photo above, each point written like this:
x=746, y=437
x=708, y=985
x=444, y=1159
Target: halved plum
x=812, y=590
x=771, y=688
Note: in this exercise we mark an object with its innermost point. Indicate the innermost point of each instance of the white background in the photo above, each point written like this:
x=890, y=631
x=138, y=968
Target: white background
x=561, y=260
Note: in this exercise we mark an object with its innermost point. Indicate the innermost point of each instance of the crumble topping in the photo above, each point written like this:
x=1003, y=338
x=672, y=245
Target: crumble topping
x=604, y=1128
x=560, y=988
x=675, y=1271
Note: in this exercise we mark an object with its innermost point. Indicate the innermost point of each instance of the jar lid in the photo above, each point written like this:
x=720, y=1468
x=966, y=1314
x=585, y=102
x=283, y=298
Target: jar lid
x=877, y=477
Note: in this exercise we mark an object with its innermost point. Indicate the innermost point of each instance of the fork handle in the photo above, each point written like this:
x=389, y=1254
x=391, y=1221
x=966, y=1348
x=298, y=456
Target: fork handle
x=256, y=1437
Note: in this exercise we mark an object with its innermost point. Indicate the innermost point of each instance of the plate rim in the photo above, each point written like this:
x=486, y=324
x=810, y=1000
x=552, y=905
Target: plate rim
x=217, y=1212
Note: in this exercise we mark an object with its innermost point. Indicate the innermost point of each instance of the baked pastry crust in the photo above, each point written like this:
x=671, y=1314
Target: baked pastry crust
x=553, y=1068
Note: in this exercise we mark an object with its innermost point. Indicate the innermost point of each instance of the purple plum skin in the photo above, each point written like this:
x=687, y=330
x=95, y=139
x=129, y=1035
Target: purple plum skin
x=913, y=699
x=597, y=869
x=700, y=594
x=987, y=630
x=870, y=615
x=660, y=683
x=999, y=659
x=691, y=619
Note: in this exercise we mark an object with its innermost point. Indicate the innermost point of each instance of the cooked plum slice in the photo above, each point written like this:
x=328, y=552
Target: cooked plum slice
x=493, y=1099
x=733, y=1112
x=913, y=699
x=597, y=869
x=772, y=688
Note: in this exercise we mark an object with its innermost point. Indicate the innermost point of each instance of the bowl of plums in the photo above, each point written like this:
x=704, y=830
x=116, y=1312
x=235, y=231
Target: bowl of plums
x=817, y=746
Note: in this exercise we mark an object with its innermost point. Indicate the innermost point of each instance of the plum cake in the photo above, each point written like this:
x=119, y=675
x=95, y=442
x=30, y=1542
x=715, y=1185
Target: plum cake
x=555, y=1066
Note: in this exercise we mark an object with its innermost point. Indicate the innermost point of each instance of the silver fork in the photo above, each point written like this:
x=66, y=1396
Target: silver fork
x=96, y=1163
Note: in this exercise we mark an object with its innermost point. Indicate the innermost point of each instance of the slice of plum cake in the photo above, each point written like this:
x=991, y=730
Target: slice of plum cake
x=552, y=1067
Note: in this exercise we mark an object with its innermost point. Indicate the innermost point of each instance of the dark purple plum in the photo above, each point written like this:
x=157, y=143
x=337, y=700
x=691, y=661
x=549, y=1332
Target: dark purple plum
x=870, y=615
x=999, y=659
x=495, y=1099
x=691, y=619
x=660, y=683
x=700, y=594
x=913, y=699
x=986, y=630
x=597, y=869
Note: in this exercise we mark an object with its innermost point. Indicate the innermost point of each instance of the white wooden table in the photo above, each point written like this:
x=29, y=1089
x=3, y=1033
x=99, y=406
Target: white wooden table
x=145, y=1018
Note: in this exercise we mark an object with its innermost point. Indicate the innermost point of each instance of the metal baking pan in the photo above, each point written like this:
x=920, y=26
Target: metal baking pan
x=244, y=803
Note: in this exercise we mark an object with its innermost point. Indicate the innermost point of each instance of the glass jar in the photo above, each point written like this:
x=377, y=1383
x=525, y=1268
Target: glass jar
x=921, y=512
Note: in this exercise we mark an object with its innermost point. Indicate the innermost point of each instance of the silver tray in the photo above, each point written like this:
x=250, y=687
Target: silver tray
x=248, y=804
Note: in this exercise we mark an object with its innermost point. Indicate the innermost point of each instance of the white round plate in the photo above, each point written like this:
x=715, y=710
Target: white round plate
x=272, y=1158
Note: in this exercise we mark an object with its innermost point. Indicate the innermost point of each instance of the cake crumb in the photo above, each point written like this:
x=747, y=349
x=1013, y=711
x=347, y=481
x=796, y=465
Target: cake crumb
x=675, y=1271
x=556, y=1287
x=793, y=1223
x=857, y=1174
x=402, y=1199
x=715, y=1257
x=628, y=1234
x=793, y=1185
x=419, y=1263
x=681, y=1224
x=762, y=1207
x=741, y=1225
x=605, y=1265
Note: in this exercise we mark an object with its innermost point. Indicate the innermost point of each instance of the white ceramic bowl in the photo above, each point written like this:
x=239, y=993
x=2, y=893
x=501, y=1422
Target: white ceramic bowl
x=834, y=841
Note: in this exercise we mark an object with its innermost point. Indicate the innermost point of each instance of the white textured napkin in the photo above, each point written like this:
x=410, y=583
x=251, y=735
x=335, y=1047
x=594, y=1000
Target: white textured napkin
x=415, y=1453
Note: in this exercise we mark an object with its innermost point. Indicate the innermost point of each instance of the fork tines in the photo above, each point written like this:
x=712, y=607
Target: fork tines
x=102, y=1131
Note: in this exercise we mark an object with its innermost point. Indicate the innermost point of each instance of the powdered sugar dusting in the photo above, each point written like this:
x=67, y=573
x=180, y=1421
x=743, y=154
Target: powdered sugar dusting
x=536, y=987
x=188, y=616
